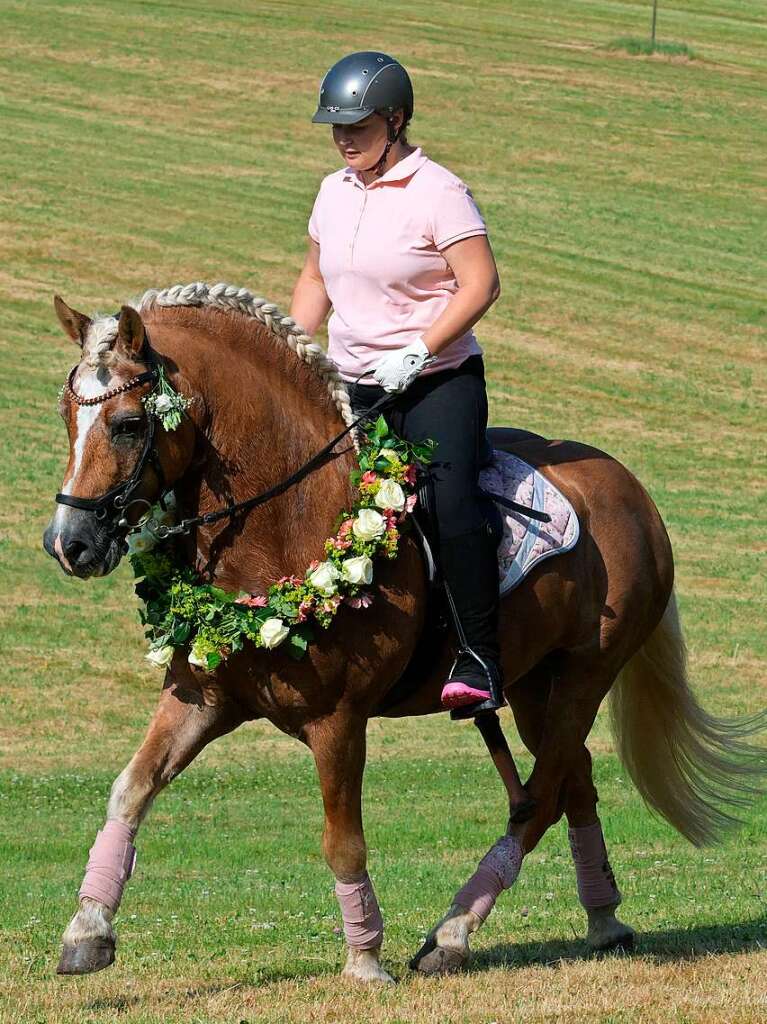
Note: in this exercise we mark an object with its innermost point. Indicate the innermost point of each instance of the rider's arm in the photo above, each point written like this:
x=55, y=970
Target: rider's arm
x=310, y=304
x=473, y=264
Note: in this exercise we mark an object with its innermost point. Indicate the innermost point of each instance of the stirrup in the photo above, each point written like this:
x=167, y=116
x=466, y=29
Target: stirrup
x=494, y=699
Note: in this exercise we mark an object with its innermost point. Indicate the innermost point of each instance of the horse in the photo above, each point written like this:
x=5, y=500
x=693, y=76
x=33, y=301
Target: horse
x=263, y=398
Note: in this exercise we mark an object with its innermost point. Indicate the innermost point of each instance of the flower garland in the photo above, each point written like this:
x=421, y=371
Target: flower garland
x=181, y=610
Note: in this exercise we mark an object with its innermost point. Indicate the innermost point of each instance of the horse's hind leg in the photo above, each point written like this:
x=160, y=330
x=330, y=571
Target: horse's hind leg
x=554, y=716
x=597, y=890
x=182, y=725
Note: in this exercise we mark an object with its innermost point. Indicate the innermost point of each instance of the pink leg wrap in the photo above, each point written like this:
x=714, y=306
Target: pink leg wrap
x=497, y=871
x=110, y=864
x=596, y=881
x=363, y=924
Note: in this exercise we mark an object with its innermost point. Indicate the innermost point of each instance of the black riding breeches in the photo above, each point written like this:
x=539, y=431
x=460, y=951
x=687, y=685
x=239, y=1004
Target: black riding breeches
x=450, y=407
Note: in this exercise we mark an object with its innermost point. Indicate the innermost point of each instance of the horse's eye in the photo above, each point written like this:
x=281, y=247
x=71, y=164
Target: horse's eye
x=126, y=428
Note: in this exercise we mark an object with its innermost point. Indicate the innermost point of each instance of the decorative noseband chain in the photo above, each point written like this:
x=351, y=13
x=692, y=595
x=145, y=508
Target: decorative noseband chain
x=134, y=382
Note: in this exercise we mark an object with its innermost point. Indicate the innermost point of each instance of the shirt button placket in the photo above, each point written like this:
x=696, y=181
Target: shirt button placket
x=357, y=227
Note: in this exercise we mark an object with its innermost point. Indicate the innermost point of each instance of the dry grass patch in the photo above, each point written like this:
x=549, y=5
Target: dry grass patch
x=712, y=989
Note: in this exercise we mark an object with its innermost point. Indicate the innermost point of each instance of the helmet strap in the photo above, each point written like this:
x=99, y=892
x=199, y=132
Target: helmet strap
x=393, y=136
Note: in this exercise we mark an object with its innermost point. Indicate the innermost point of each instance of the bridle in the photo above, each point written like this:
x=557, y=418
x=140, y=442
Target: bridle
x=111, y=507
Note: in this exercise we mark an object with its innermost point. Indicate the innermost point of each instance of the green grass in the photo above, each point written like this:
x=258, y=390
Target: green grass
x=149, y=143
x=639, y=47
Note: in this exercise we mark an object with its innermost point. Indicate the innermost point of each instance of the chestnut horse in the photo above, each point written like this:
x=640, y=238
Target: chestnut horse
x=263, y=400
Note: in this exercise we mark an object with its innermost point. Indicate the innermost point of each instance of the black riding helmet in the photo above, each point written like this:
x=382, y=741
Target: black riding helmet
x=361, y=84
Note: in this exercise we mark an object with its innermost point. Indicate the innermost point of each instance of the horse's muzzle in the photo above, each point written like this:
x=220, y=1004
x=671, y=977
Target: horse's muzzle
x=80, y=549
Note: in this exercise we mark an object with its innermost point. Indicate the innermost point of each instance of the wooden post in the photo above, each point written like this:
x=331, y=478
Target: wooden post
x=654, y=19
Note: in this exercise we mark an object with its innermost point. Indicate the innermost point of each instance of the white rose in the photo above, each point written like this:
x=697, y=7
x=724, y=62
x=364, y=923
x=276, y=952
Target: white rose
x=273, y=632
x=160, y=657
x=163, y=403
x=324, y=578
x=390, y=495
x=369, y=524
x=197, y=659
x=357, y=570
x=141, y=542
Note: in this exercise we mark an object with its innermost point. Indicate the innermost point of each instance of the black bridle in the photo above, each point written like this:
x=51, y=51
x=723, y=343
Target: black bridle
x=111, y=506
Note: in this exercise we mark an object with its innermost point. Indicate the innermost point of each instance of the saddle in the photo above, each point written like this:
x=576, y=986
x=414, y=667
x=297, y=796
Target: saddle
x=532, y=520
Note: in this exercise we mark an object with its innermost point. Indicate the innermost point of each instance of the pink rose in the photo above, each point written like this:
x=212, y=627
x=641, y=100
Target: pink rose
x=345, y=527
x=411, y=502
x=252, y=601
x=313, y=565
x=370, y=477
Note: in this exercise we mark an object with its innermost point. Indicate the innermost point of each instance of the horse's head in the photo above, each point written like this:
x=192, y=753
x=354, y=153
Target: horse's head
x=120, y=458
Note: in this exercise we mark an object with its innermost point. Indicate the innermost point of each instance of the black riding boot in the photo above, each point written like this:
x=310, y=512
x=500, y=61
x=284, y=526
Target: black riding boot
x=470, y=570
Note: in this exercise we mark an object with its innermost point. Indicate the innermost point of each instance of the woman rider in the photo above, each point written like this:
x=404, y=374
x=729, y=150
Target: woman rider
x=400, y=252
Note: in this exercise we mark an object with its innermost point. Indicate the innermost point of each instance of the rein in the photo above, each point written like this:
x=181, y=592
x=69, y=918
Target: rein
x=230, y=511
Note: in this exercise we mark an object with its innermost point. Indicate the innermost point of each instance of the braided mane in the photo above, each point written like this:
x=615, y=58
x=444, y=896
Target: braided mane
x=226, y=296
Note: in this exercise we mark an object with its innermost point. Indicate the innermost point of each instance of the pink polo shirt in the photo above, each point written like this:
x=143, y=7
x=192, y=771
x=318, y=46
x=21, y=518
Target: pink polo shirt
x=381, y=259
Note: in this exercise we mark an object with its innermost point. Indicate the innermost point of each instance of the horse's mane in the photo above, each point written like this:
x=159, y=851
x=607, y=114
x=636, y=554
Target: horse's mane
x=103, y=330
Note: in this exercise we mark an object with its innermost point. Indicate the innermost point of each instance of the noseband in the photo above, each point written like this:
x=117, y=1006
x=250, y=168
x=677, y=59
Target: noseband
x=111, y=507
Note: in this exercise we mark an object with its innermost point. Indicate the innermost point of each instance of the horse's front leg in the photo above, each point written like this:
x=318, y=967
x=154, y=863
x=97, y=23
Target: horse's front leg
x=181, y=726
x=338, y=745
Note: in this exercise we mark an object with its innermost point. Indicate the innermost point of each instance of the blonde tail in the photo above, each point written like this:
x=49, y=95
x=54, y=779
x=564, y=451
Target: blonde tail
x=692, y=768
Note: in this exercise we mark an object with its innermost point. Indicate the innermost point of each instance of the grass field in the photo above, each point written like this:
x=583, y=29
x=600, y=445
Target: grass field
x=148, y=143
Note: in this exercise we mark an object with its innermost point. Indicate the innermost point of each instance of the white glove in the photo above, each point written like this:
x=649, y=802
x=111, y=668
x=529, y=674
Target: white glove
x=398, y=369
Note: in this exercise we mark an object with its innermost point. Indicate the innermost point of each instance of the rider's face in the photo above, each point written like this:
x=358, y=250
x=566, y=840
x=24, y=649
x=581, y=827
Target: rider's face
x=361, y=144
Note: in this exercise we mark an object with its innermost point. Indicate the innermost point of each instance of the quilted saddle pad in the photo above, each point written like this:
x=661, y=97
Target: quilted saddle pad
x=526, y=542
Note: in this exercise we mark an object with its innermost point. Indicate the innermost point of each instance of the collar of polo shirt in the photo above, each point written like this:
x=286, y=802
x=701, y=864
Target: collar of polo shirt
x=402, y=170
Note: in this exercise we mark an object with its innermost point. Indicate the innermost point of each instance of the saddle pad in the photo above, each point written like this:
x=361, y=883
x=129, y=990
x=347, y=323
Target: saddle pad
x=526, y=542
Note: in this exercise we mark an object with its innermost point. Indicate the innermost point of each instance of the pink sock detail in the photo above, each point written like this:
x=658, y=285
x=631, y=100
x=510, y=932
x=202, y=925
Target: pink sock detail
x=595, y=878
x=498, y=870
x=363, y=924
x=110, y=864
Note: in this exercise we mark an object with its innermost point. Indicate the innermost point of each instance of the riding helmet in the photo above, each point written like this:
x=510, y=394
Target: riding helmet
x=360, y=84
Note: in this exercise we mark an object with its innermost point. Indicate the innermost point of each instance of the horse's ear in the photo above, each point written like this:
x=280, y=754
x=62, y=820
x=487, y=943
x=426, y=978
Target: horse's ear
x=75, y=324
x=130, y=333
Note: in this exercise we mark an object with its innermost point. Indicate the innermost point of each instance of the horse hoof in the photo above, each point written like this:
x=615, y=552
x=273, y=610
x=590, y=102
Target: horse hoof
x=362, y=965
x=438, y=960
x=86, y=957
x=619, y=944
